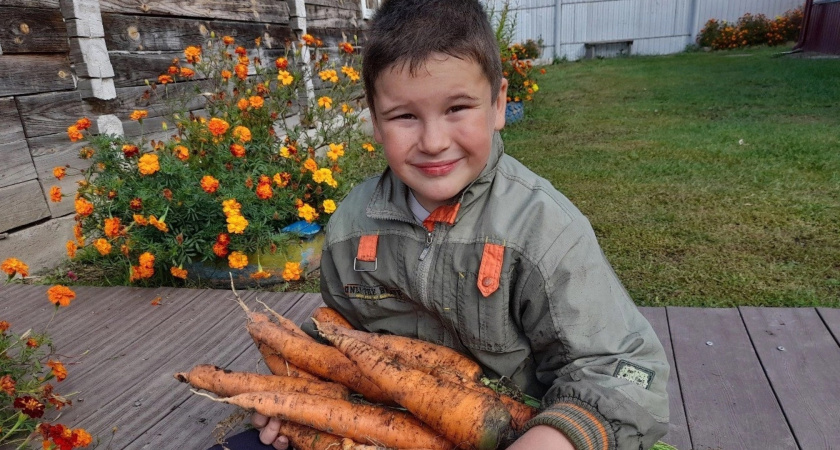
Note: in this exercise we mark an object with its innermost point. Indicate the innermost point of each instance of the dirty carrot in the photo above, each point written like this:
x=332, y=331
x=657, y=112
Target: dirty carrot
x=278, y=365
x=318, y=359
x=362, y=423
x=462, y=415
x=325, y=314
x=303, y=437
x=286, y=323
x=225, y=383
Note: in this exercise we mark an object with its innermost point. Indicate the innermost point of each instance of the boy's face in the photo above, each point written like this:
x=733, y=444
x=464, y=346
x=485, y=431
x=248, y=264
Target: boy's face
x=437, y=126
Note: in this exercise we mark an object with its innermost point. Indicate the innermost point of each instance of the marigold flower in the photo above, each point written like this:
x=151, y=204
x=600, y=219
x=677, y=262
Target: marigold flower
x=307, y=213
x=242, y=104
x=260, y=275
x=226, y=74
x=281, y=63
x=237, y=150
x=284, y=77
x=112, y=227
x=193, y=54
x=227, y=40
x=231, y=206
x=217, y=126
x=141, y=272
x=84, y=208
x=335, y=151
x=237, y=260
x=321, y=175
x=329, y=206
x=325, y=102
x=172, y=70
x=14, y=266
x=282, y=179
x=74, y=134
x=241, y=71
x=292, y=271
x=77, y=233
x=139, y=114
x=147, y=260
x=178, y=272
x=308, y=39
x=130, y=150
x=30, y=406
x=310, y=165
x=209, y=184
x=256, y=101
x=346, y=109
x=159, y=224
x=165, y=79
x=346, y=47
x=58, y=369
x=242, y=133
x=186, y=72
x=4, y=326
x=329, y=75
x=351, y=73
x=86, y=153
x=71, y=249
x=236, y=223
x=181, y=152
x=284, y=152
x=83, y=123
x=55, y=194
x=59, y=172
x=368, y=146
x=60, y=295
x=220, y=250
x=264, y=191
x=140, y=220
x=7, y=384
x=148, y=164
x=32, y=343
x=103, y=246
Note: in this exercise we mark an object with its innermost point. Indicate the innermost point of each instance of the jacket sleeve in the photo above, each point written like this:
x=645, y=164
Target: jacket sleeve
x=605, y=367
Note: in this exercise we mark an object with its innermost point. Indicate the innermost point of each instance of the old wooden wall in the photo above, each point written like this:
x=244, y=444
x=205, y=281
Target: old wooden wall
x=65, y=59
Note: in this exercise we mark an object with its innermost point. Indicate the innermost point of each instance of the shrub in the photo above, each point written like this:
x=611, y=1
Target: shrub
x=751, y=30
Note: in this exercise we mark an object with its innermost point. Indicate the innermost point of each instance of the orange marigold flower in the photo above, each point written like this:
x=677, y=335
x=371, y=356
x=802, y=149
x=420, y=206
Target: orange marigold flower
x=103, y=246
x=60, y=295
x=58, y=369
x=237, y=150
x=147, y=260
x=172, y=70
x=193, y=54
x=159, y=224
x=308, y=39
x=256, y=101
x=165, y=79
x=139, y=114
x=281, y=63
x=85, y=153
x=307, y=213
x=240, y=51
x=130, y=150
x=140, y=220
x=209, y=184
x=284, y=77
x=329, y=206
x=325, y=102
x=77, y=232
x=217, y=126
x=241, y=71
x=242, y=133
x=292, y=271
x=14, y=266
x=310, y=165
x=227, y=40
x=71, y=249
x=236, y=223
x=148, y=164
x=346, y=47
x=264, y=191
x=83, y=207
x=220, y=249
x=74, y=134
x=223, y=238
x=178, y=272
x=4, y=326
x=7, y=385
x=55, y=194
x=181, y=152
x=112, y=227
x=237, y=260
x=226, y=74
x=32, y=343
x=282, y=179
x=242, y=104
x=186, y=72
x=59, y=172
x=83, y=123
x=260, y=275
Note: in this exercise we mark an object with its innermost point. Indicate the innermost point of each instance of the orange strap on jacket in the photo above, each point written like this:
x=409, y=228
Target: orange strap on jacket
x=445, y=214
x=490, y=271
x=367, y=248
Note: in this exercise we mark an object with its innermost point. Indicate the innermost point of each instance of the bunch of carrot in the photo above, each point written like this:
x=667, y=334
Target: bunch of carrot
x=415, y=395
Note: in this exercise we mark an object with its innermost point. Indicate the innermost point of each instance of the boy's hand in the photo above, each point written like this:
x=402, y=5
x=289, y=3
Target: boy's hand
x=542, y=436
x=269, y=431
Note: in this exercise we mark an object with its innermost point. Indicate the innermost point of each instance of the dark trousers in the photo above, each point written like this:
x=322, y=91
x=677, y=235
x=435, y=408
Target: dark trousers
x=246, y=440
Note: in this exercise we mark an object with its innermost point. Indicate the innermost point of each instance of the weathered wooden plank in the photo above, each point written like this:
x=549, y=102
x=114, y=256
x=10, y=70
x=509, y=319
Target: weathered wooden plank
x=174, y=34
x=22, y=204
x=32, y=30
x=728, y=400
x=15, y=161
x=241, y=10
x=133, y=69
x=678, y=435
x=831, y=317
x=47, y=4
x=32, y=73
x=51, y=112
x=156, y=101
x=802, y=361
x=61, y=153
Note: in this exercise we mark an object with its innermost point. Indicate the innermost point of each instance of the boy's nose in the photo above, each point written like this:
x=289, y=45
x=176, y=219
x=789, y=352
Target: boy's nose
x=435, y=139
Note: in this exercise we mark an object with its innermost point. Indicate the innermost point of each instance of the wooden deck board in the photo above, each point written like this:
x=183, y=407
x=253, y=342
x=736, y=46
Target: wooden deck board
x=802, y=361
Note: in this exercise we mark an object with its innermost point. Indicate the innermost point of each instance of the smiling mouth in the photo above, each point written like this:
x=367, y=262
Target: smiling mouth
x=436, y=169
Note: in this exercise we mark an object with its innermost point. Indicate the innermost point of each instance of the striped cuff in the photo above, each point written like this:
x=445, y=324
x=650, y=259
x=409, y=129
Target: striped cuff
x=581, y=423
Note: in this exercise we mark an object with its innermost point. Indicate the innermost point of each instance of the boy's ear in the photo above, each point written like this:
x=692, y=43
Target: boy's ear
x=501, y=104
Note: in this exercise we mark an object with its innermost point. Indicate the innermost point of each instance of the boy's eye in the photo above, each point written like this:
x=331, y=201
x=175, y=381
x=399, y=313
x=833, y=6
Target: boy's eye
x=457, y=108
x=404, y=116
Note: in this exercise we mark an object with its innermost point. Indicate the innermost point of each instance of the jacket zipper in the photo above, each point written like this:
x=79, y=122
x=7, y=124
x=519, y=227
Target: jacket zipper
x=423, y=270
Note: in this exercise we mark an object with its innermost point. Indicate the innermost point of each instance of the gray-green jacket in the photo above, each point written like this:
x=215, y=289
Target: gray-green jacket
x=553, y=316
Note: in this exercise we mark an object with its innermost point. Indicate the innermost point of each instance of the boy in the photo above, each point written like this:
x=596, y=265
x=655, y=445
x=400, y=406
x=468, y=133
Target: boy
x=459, y=244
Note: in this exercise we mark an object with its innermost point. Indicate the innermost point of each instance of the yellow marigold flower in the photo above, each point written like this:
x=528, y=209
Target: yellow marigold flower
x=84, y=208
x=14, y=266
x=284, y=152
x=307, y=213
x=292, y=271
x=346, y=109
x=58, y=369
x=193, y=54
x=285, y=77
x=55, y=194
x=209, y=184
x=242, y=133
x=351, y=73
x=71, y=249
x=322, y=175
x=139, y=114
x=59, y=172
x=237, y=260
x=217, y=126
x=335, y=151
x=282, y=179
x=329, y=75
x=256, y=101
x=74, y=134
x=103, y=246
x=140, y=220
x=178, y=272
x=325, y=102
x=112, y=227
x=236, y=223
x=310, y=165
x=159, y=224
x=368, y=146
x=148, y=164
x=181, y=152
x=329, y=206
x=231, y=206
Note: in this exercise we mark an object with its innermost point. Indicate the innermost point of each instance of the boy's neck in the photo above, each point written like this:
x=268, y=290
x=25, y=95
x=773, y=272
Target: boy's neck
x=420, y=213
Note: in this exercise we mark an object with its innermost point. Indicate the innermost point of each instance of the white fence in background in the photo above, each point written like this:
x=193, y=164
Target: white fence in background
x=655, y=27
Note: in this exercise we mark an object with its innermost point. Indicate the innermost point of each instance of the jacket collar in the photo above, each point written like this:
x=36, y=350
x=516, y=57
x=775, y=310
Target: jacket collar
x=390, y=198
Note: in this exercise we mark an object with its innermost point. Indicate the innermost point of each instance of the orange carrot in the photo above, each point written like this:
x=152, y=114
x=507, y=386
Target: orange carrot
x=286, y=323
x=325, y=314
x=362, y=423
x=303, y=437
x=279, y=366
x=225, y=383
x=316, y=358
x=462, y=415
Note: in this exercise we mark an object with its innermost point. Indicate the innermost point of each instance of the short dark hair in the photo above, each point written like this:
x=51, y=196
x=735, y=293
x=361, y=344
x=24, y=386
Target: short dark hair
x=409, y=31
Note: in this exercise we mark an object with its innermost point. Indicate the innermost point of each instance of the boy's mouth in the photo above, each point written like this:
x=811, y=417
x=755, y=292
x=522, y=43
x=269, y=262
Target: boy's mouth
x=437, y=168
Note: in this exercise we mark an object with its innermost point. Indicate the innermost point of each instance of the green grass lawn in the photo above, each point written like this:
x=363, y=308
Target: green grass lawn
x=711, y=179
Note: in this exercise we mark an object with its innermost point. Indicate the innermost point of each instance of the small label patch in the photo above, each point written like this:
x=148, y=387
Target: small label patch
x=634, y=374
x=363, y=292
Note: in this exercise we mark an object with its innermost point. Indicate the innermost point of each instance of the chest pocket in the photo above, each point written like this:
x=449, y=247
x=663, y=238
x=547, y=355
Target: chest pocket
x=484, y=305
